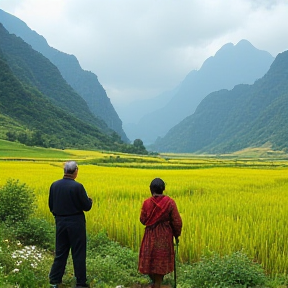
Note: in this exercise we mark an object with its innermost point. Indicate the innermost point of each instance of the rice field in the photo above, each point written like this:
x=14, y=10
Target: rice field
x=224, y=209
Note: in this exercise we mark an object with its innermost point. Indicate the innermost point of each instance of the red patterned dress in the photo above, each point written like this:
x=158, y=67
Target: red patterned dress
x=160, y=215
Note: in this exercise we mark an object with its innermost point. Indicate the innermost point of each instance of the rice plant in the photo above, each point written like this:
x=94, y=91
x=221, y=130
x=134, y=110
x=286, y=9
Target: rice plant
x=224, y=209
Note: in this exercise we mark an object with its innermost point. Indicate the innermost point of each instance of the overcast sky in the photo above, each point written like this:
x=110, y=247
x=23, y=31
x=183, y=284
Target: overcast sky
x=140, y=48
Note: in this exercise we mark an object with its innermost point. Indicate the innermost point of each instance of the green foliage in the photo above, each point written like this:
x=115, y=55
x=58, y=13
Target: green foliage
x=16, y=207
x=29, y=138
x=6, y=260
x=108, y=262
x=25, y=263
x=233, y=270
x=16, y=202
x=35, y=231
x=21, y=262
x=28, y=265
x=39, y=74
x=109, y=265
x=227, y=121
x=38, y=107
x=139, y=147
x=20, y=265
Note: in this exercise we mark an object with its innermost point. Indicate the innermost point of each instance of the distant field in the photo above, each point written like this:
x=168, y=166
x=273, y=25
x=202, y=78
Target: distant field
x=226, y=204
x=263, y=157
x=17, y=150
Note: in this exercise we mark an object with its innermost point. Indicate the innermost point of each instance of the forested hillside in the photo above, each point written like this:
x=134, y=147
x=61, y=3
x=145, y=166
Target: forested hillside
x=85, y=83
x=246, y=116
x=28, y=116
x=33, y=68
x=38, y=107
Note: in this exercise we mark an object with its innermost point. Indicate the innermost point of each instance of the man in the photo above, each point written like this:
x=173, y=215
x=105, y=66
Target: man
x=67, y=201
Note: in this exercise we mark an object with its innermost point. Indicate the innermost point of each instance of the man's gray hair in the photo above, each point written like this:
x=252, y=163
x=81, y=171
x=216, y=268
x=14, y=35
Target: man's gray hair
x=70, y=167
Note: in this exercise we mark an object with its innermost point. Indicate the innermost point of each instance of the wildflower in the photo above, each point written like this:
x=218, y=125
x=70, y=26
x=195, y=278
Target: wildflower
x=29, y=253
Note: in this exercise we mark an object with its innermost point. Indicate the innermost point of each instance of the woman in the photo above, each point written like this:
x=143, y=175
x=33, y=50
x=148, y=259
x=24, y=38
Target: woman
x=160, y=215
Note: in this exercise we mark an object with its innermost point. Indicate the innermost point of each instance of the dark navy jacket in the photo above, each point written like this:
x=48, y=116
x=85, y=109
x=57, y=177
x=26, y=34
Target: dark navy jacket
x=68, y=197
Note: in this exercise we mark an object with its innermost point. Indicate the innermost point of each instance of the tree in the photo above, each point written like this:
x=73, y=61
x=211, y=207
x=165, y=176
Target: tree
x=139, y=147
x=11, y=136
x=16, y=202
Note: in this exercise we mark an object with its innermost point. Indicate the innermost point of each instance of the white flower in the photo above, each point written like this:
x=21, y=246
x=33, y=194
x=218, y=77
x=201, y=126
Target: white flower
x=29, y=253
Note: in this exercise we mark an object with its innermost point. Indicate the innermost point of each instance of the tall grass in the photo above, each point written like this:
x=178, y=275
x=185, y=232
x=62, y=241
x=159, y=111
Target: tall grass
x=223, y=209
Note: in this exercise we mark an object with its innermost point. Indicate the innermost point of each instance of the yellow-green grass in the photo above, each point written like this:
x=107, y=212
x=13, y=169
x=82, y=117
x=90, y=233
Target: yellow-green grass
x=224, y=209
x=251, y=153
x=17, y=151
x=14, y=150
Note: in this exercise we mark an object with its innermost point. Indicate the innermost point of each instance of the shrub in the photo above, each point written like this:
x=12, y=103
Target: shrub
x=99, y=240
x=16, y=201
x=21, y=265
x=6, y=263
x=35, y=231
x=227, y=271
x=30, y=267
x=109, y=262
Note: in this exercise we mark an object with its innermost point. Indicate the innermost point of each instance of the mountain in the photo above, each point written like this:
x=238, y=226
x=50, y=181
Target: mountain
x=134, y=111
x=85, y=83
x=25, y=112
x=33, y=68
x=231, y=120
x=38, y=107
x=231, y=65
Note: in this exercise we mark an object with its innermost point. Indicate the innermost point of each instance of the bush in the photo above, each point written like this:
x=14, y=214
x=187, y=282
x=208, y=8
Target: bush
x=231, y=270
x=20, y=265
x=98, y=241
x=6, y=261
x=35, y=231
x=108, y=262
x=30, y=267
x=16, y=202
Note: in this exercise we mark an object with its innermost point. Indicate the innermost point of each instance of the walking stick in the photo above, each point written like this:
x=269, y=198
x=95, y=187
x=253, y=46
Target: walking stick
x=176, y=252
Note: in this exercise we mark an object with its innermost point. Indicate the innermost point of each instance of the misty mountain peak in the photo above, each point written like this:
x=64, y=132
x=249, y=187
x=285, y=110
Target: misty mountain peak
x=240, y=54
x=231, y=65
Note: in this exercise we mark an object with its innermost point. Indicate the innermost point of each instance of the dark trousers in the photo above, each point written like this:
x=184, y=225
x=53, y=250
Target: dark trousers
x=70, y=234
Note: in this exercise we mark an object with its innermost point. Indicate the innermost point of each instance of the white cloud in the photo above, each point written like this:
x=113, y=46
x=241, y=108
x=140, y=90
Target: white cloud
x=139, y=48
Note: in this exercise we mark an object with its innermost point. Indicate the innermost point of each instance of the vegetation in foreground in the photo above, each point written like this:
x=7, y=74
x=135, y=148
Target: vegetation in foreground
x=26, y=232
x=26, y=254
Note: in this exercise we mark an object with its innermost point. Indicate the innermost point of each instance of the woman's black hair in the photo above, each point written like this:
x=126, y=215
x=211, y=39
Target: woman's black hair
x=157, y=186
